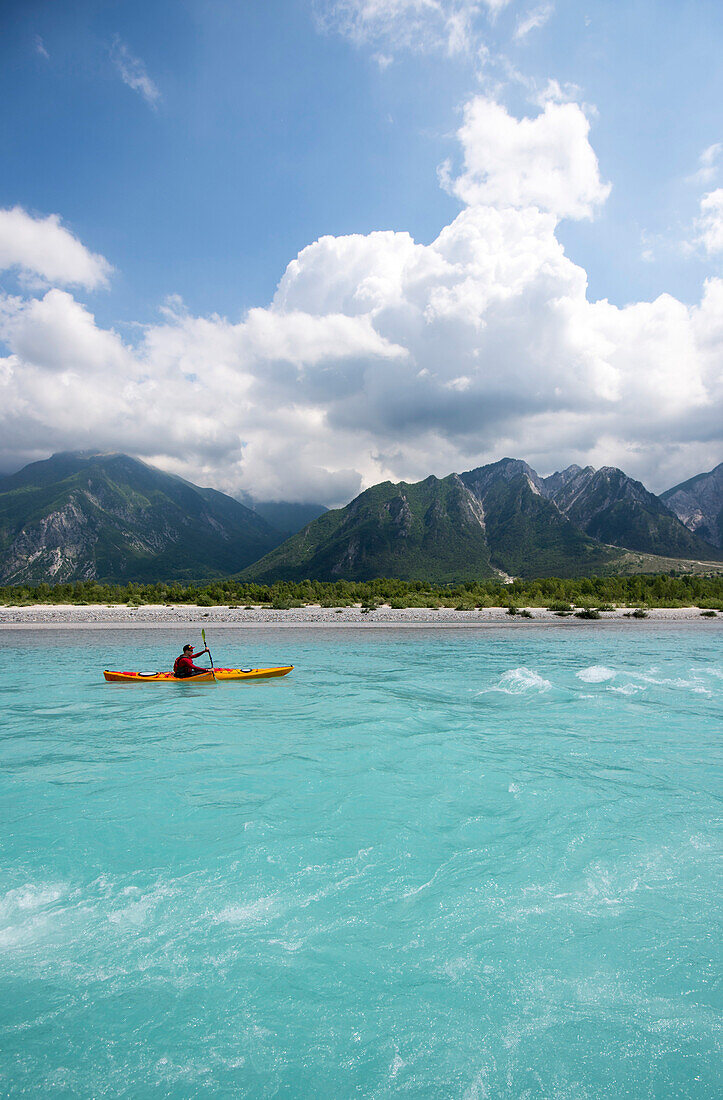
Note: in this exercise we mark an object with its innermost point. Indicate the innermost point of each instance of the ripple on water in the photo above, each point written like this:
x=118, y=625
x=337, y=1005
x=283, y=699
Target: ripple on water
x=366, y=880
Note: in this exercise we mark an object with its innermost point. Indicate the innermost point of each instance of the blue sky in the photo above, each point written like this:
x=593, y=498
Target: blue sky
x=200, y=146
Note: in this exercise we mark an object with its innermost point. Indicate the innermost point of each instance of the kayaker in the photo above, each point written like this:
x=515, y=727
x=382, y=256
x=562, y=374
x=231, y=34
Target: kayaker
x=183, y=666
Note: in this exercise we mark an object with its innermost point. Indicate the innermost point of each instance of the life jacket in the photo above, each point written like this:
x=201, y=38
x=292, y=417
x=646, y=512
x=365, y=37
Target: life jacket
x=179, y=669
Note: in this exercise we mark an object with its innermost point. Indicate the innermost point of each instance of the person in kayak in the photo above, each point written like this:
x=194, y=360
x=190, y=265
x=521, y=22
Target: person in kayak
x=183, y=666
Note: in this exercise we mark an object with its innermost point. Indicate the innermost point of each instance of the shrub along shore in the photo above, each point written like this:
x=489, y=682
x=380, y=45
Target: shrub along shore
x=556, y=594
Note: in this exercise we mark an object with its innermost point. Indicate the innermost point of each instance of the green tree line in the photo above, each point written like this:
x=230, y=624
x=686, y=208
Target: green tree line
x=661, y=590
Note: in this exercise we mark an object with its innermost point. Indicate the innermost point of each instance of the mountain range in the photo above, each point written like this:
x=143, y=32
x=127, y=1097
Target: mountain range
x=82, y=515
x=501, y=519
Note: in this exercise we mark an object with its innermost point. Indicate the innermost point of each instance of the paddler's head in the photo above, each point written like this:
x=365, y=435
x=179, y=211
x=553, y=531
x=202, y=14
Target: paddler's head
x=188, y=649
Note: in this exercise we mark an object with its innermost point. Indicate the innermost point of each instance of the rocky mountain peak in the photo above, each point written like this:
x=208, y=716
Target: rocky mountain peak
x=618, y=510
x=698, y=503
x=562, y=478
x=507, y=469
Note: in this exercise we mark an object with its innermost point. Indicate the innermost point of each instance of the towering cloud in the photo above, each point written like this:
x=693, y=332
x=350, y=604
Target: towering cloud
x=545, y=162
x=381, y=357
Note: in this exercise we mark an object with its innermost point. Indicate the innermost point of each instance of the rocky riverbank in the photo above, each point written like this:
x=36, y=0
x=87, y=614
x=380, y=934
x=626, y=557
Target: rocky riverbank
x=65, y=615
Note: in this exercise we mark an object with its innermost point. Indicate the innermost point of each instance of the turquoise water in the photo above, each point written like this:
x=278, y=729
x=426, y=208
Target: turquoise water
x=451, y=863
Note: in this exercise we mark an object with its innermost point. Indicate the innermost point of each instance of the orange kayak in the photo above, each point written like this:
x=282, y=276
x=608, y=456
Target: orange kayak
x=202, y=678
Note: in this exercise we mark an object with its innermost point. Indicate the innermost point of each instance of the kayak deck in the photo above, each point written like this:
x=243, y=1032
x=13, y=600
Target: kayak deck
x=202, y=678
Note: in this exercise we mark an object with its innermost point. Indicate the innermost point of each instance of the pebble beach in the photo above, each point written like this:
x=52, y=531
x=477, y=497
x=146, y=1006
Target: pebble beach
x=121, y=615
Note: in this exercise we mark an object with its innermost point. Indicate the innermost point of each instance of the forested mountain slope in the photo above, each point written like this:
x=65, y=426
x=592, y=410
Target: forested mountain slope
x=80, y=516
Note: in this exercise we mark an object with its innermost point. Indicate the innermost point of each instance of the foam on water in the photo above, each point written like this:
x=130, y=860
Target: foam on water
x=259, y=910
x=628, y=689
x=459, y=863
x=518, y=681
x=697, y=680
x=595, y=674
x=26, y=912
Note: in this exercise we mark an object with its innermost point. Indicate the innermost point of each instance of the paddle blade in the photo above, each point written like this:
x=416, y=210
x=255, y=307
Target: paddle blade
x=203, y=635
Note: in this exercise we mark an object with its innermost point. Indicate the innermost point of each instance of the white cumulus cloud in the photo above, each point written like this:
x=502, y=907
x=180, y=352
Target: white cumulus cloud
x=545, y=161
x=380, y=357
x=43, y=248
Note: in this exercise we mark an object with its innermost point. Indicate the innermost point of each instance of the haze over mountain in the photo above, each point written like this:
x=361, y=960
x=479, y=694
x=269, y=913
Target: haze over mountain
x=80, y=515
x=287, y=517
x=698, y=502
